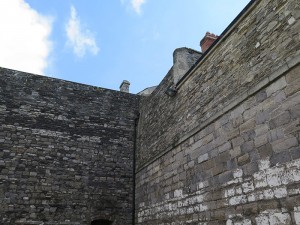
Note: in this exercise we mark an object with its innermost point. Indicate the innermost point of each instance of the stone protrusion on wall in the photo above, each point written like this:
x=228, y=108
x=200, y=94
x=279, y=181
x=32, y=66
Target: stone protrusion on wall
x=147, y=91
x=183, y=60
x=124, y=87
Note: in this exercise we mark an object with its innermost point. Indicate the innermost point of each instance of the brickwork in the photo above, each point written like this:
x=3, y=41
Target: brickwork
x=225, y=149
x=66, y=151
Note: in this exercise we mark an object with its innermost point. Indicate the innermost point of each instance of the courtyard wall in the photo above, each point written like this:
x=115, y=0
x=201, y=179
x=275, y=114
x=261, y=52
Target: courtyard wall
x=66, y=151
x=225, y=148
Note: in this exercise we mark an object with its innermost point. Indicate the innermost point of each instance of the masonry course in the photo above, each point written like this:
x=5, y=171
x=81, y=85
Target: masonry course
x=222, y=149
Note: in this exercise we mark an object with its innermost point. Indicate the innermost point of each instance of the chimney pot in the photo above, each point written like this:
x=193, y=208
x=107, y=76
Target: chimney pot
x=124, y=87
x=207, y=41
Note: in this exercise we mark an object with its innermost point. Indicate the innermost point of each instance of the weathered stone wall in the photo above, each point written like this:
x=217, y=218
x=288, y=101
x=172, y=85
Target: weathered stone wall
x=66, y=151
x=225, y=149
x=183, y=60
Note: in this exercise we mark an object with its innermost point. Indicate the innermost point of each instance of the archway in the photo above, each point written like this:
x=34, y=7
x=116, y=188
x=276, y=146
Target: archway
x=101, y=222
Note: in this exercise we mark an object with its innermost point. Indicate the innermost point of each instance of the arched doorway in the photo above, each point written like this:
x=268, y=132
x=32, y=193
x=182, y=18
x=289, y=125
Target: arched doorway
x=101, y=222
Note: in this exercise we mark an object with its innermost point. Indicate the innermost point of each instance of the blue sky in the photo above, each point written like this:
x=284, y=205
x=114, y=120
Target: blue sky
x=103, y=42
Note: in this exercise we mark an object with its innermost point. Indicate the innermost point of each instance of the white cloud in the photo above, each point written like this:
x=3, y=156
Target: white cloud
x=137, y=4
x=24, y=41
x=80, y=40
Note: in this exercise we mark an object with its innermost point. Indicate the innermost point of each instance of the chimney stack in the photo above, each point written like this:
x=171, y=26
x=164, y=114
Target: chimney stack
x=124, y=87
x=207, y=41
x=183, y=60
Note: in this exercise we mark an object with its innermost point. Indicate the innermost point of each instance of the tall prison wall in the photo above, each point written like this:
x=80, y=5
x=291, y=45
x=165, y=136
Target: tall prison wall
x=66, y=151
x=225, y=149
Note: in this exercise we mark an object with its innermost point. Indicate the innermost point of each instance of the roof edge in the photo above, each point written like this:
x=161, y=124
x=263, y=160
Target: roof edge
x=222, y=36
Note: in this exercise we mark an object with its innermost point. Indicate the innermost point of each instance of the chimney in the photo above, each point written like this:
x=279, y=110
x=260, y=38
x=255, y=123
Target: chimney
x=183, y=60
x=207, y=41
x=124, y=87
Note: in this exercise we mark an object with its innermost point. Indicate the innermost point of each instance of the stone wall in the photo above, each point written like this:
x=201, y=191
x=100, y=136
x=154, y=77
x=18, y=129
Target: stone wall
x=183, y=60
x=225, y=149
x=66, y=151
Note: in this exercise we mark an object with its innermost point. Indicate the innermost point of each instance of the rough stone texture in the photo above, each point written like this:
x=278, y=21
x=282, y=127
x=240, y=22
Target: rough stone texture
x=227, y=73
x=198, y=182
x=183, y=60
x=225, y=149
x=66, y=151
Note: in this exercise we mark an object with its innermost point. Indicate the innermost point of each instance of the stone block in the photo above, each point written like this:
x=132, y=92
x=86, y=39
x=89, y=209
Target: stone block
x=261, y=129
x=280, y=120
x=225, y=177
x=290, y=202
x=216, y=195
x=224, y=147
x=295, y=152
x=244, y=159
x=291, y=102
x=218, y=168
x=237, y=112
x=250, y=209
x=277, y=85
x=248, y=125
x=218, y=215
x=208, y=164
x=295, y=111
x=235, y=152
x=280, y=97
x=221, y=203
x=203, y=158
x=223, y=157
x=292, y=88
x=284, y=145
x=238, y=141
x=261, y=140
x=268, y=205
x=275, y=134
x=280, y=158
x=293, y=75
x=237, y=121
x=214, y=153
x=231, y=164
x=220, y=138
x=250, y=168
x=251, y=112
x=261, y=96
x=265, y=150
x=262, y=117
x=232, y=133
x=249, y=102
x=248, y=135
x=207, y=139
x=247, y=146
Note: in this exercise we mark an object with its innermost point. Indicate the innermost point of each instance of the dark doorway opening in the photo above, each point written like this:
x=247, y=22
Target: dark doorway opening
x=101, y=222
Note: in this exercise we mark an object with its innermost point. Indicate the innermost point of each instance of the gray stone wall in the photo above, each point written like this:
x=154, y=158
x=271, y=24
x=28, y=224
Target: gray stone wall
x=183, y=60
x=259, y=45
x=225, y=149
x=66, y=151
